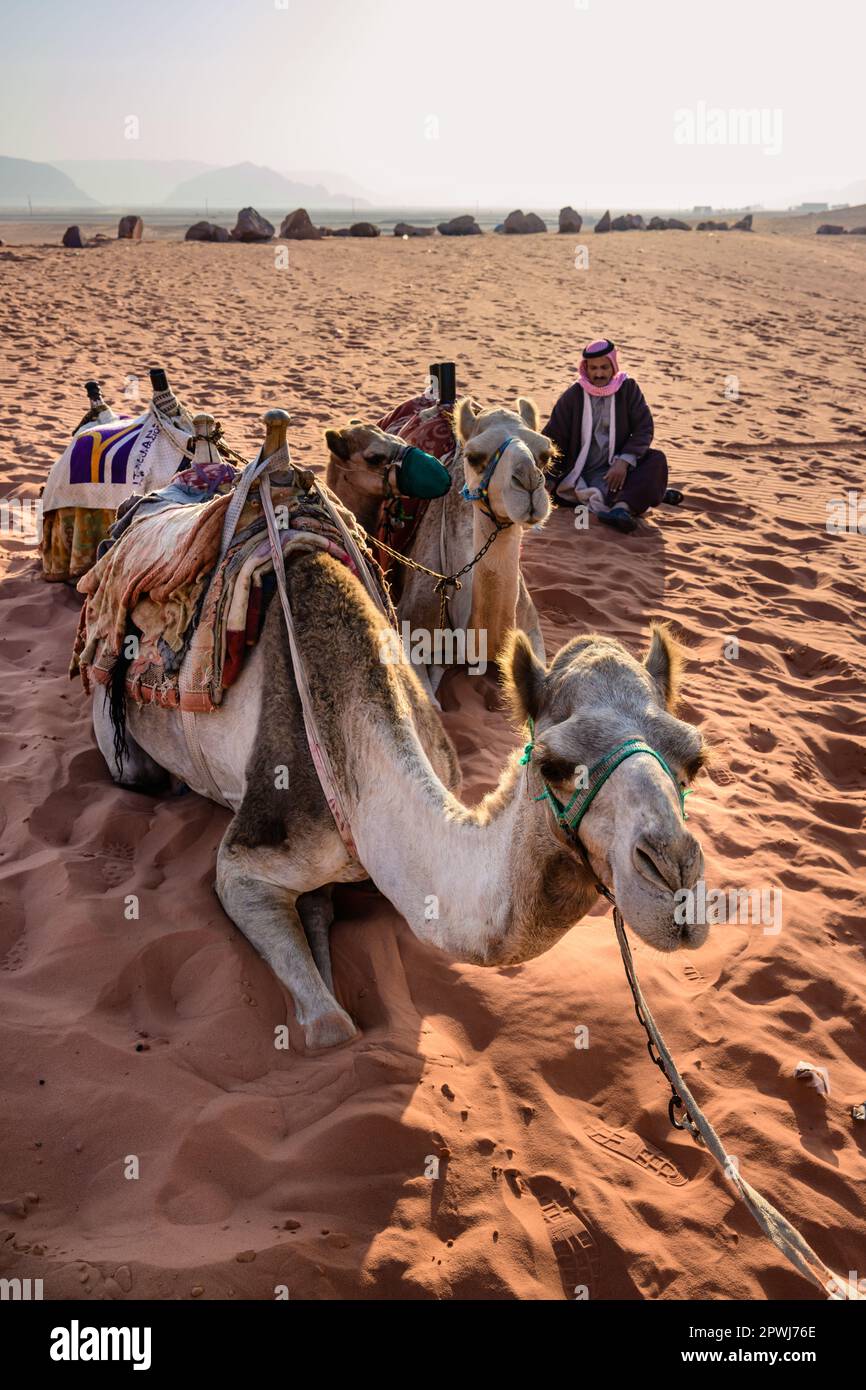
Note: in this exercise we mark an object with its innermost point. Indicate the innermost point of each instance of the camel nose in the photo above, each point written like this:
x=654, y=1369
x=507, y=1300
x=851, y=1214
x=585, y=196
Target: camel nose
x=669, y=864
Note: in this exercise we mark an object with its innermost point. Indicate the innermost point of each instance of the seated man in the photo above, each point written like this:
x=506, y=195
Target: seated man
x=603, y=429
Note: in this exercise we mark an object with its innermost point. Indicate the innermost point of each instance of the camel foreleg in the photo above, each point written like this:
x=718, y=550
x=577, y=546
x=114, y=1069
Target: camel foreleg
x=267, y=914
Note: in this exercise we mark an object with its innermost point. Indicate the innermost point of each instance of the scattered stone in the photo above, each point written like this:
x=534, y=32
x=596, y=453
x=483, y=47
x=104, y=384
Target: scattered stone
x=364, y=229
x=297, y=226
x=339, y=231
x=713, y=227
x=251, y=226
x=406, y=229
x=852, y=231
x=521, y=223
x=197, y=1290
x=246, y=1257
x=830, y=229
x=744, y=224
x=72, y=237
x=465, y=225
x=603, y=223
x=123, y=1277
x=569, y=220
x=667, y=224
x=207, y=231
x=447, y=1092
x=291, y=1224
x=628, y=222
x=130, y=228
x=99, y=239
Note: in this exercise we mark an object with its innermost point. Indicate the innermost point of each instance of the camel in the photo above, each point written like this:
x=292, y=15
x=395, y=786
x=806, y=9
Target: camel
x=493, y=885
x=494, y=597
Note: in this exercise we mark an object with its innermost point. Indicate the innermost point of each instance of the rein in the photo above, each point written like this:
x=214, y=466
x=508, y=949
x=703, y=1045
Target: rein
x=771, y=1221
x=453, y=582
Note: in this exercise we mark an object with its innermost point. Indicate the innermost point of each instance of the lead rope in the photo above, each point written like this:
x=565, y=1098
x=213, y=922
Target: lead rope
x=774, y=1225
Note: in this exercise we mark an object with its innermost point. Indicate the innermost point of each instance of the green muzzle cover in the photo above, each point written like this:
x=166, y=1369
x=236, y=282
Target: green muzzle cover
x=422, y=475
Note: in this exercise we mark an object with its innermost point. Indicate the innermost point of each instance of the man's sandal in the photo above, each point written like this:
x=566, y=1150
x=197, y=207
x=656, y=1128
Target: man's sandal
x=620, y=519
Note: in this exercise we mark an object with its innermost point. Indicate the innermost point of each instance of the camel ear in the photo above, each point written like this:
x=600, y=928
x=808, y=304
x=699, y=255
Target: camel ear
x=664, y=661
x=528, y=412
x=464, y=419
x=337, y=444
x=523, y=676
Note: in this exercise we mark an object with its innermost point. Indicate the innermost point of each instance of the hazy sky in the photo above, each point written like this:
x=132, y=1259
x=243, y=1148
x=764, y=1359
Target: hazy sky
x=531, y=102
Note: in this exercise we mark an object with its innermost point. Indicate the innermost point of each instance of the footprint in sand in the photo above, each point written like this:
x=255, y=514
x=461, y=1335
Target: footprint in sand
x=626, y=1144
x=117, y=863
x=693, y=975
x=573, y=1243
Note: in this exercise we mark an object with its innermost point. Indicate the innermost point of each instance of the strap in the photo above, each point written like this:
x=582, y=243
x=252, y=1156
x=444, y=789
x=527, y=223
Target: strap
x=479, y=494
x=571, y=815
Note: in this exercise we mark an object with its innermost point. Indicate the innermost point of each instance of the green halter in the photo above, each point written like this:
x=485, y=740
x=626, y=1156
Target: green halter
x=571, y=815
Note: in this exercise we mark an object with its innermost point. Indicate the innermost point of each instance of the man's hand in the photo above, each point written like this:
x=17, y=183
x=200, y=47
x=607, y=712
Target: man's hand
x=616, y=475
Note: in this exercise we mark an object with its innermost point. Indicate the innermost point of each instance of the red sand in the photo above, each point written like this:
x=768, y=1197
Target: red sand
x=258, y=1168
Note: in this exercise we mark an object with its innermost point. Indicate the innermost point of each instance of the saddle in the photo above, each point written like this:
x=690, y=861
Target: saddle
x=427, y=425
x=176, y=607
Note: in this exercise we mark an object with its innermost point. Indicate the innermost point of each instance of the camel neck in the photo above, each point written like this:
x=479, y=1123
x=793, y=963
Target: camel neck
x=495, y=582
x=473, y=882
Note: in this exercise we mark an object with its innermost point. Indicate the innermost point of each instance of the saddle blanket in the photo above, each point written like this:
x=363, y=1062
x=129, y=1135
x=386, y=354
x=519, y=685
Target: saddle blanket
x=158, y=601
x=105, y=464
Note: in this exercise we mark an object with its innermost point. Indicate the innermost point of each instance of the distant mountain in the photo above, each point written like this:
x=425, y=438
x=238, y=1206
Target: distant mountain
x=337, y=183
x=131, y=183
x=43, y=184
x=242, y=185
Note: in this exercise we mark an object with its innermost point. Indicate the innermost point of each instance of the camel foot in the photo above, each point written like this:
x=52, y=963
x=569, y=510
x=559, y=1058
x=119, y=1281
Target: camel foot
x=331, y=1029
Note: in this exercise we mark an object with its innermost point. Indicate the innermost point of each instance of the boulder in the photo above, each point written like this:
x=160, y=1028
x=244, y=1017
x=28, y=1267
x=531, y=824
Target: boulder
x=676, y=225
x=603, y=223
x=406, y=229
x=499, y=229
x=713, y=227
x=206, y=231
x=667, y=224
x=364, y=229
x=339, y=231
x=744, y=224
x=520, y=223
x=99, y=239
x=72, y=237
x=251, y=226
x=465, y=225
x=130, y=228
x=830, y=229
x=628, y=222
x=296, y=226
x=569, y=220
x=857, y=231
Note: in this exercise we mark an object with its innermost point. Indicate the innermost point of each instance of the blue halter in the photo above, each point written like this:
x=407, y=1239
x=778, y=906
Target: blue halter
x=480, y=493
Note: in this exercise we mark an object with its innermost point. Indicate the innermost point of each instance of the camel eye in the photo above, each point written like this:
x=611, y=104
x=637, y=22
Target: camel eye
x=474, y=460
x=556, y=769
x=375, y=460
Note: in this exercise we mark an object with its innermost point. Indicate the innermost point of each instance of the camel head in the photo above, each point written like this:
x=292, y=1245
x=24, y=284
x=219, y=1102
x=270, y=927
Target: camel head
x=366, y=465
x=515, y=489
x=589, y=701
